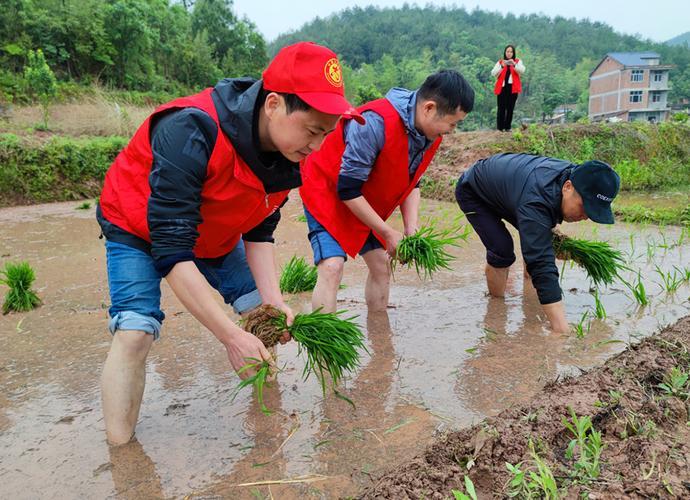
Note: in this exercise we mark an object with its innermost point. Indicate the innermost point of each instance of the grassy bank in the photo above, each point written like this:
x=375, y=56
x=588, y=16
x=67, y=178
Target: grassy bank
x=36, y=170
x=652, y=160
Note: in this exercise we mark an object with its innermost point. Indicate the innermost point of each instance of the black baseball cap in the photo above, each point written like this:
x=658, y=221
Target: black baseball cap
x=598, y=184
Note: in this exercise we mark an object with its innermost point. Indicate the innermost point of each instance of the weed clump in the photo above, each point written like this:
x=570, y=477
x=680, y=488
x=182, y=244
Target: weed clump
x=19, y=277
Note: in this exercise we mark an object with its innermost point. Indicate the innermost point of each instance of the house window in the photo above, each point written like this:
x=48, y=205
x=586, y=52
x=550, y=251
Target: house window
x=658, y=76
x=635, y=96
x=637, y=75
x=656, y=96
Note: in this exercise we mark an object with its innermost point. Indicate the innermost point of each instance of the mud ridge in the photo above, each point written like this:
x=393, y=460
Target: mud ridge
x=645, y=431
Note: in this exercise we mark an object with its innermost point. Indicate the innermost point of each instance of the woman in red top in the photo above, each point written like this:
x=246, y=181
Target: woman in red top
x=508, y=86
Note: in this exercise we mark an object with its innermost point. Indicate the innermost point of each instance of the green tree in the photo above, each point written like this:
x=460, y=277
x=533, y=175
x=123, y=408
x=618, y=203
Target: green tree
x=41, y=81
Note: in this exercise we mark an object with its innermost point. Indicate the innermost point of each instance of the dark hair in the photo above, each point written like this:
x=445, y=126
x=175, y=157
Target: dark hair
x=449, y=90
x=514, y=53
x=292, y=101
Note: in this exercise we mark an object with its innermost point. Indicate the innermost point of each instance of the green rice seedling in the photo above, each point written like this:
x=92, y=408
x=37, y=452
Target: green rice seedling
x=20, y=297
x=601, y=262
x=587, y=444
x=599, y=310
x=582, y=329
x=301, y=218
x=675, y=383
x=469, y=488
x=426, y=249
x=669, y=281
x=329, y=343
x=651, y=249
x=684, y=273
x=297, y=276
x=84, y=206
x=259, y=380
x=638, y=290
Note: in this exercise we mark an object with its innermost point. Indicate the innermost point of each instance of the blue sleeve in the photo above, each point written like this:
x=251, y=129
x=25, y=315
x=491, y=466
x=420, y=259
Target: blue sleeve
x=536, y=242
x=363, y=143
x=181, y=143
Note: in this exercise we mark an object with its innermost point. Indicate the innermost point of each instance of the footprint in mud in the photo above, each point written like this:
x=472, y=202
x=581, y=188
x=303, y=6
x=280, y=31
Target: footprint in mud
x=175, y=409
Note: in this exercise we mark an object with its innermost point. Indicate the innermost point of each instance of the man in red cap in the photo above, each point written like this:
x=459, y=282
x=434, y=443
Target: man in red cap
x=195, y=198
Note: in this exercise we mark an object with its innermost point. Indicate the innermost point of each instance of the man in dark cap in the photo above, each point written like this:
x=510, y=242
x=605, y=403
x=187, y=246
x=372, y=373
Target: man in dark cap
x=534, y=194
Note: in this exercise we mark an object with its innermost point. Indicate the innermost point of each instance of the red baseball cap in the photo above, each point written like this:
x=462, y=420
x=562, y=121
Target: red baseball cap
x=313, y=73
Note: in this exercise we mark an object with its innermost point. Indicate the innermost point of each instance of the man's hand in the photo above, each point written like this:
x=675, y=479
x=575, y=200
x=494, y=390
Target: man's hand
x=243, y=346
x=392, y=238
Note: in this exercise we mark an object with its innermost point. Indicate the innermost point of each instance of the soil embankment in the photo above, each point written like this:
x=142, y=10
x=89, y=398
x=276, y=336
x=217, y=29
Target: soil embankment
x=645, y=433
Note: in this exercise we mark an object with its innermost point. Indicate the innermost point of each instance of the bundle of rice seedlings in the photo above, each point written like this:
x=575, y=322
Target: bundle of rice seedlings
x=601, y=262
x=297, y=276
x=328, y=341
x=426, y=249
x=19, y=277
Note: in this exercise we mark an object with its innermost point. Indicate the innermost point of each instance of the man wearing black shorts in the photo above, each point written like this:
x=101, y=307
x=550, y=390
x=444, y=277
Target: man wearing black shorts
x=533, y=194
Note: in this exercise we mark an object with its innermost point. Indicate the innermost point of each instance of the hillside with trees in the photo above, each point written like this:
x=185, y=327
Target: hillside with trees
x=162, y=48
x=399, y=46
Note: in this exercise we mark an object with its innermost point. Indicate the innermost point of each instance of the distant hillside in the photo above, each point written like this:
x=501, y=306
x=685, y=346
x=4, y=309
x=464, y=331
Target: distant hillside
x=385, y=47
x=683, y=39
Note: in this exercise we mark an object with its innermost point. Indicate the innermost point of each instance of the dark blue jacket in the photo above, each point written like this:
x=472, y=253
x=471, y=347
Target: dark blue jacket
x=526, y=191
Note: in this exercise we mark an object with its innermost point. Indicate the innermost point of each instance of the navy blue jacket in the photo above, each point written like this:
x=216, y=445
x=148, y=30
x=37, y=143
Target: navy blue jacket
x=526, y=191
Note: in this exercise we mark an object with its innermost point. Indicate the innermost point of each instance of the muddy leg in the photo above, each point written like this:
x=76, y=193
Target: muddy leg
x=496, y=279
x=122, y=383
x=330, y=273
x=378, y=280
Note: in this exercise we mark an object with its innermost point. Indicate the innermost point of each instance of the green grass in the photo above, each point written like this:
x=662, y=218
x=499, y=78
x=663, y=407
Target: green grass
x=536, y=481
x=640, y=214
x=583, y=326
x=426, y=249
x=599, y=310
x=297, y=276
x=601, y=262
x=586, y=444
x=469, y=488
x=20, y=297
x=84, y=206
x=670, y=281
x=676, y=383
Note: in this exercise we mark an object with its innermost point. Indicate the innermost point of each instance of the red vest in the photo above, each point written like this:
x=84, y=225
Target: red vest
x=233, y=199
x=517, y=85
x=386, y=188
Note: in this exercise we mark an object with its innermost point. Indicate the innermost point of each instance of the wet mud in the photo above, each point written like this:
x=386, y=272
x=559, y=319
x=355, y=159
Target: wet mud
x=444, y=357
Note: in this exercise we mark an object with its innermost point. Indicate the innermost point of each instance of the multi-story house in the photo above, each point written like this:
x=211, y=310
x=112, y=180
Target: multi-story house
x=629, y=86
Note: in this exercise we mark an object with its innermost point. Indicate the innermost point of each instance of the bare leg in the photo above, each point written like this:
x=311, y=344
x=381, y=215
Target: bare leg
x=330, y=274
x=496, y=279
x=122, y=383
x=378, y=280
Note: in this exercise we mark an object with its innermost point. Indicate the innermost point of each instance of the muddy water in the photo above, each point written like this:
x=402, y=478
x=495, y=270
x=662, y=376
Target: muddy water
x=444, y=356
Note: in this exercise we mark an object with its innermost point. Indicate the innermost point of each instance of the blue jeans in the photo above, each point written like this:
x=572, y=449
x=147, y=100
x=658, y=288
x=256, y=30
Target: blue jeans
x=324, y=245
x=135, y=292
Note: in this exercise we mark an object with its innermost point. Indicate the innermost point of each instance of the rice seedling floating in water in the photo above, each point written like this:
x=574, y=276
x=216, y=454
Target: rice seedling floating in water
x=426, y=249
x=297, y=276
x=19, y=277
x=328, y=341
x=601, y=262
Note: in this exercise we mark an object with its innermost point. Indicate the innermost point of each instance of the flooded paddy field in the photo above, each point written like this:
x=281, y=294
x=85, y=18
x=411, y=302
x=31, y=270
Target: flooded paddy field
x=444, y=357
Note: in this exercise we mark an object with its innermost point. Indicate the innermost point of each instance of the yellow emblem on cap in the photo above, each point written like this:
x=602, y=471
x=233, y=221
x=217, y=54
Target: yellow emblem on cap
x=333, y=73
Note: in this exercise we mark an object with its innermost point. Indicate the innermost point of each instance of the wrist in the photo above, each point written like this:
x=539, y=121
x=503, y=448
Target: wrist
x=229, y=336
